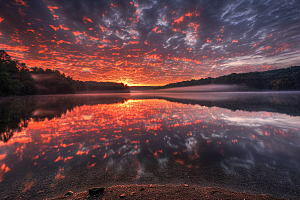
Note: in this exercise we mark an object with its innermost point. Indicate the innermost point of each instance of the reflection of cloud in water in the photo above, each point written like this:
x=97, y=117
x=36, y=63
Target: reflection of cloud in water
x=124, y=149
x=280, y=120
x=143, y=140
x=190, y=144
x=142, y=174
x=162, y=162
x=230, y=166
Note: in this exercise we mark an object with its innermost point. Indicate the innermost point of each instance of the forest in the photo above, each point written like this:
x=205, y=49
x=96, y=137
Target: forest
x=17, y=79
x=279, y=79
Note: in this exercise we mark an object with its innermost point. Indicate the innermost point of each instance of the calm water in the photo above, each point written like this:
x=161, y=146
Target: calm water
x=240, y=141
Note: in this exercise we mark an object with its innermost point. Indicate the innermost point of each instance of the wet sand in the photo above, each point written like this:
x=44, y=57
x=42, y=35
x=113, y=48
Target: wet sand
x=165, y=192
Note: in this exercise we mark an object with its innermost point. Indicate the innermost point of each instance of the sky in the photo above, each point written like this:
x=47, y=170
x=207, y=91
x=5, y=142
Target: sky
x=151, y=42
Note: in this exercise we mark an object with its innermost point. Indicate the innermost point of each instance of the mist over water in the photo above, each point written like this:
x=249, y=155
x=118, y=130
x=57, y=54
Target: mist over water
x=205, y=88
x=240, y=141
x=197, y=88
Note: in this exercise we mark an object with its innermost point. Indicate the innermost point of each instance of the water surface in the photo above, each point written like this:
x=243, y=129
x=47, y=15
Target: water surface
x=239, y=141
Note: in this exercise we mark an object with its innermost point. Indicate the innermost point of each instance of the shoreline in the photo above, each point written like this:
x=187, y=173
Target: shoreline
x=182, y=191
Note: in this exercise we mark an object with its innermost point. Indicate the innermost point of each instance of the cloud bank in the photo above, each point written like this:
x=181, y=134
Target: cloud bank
x=147, y=42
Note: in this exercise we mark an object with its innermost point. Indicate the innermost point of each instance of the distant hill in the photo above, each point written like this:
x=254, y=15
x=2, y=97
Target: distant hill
x=279, y=79
x=17, y=79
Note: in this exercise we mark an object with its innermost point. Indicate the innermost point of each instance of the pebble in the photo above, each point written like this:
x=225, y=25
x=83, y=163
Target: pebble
x=122, y=195
x=96, y=190
x=69, y=193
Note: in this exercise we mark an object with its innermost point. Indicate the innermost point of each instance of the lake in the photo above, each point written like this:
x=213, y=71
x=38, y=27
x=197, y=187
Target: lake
x=242, y=141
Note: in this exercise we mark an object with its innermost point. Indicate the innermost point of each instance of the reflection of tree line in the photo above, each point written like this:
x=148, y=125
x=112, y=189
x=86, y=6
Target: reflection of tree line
x=15, y=112
x=274, y=103
x=160, y=154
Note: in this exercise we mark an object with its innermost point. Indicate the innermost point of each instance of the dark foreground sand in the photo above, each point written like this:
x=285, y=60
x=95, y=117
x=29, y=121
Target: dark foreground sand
x=165, y=192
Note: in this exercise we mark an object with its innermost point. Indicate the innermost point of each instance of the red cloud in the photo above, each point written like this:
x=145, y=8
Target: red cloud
x=77, y=33
x=179, y=20
x=55, y=28
x=189, y=14
x=86, y=20
x=63, y=27
x=14, y=48
x=52, y=8
x=195, y=26
x=20, y=3
x=30, y=30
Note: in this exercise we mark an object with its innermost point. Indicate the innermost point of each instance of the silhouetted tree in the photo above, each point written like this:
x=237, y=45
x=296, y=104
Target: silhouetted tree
x=17, y=79
x=280, y=79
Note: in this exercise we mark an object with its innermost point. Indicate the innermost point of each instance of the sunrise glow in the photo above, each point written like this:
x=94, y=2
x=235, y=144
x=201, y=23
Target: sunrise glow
x=150, y=42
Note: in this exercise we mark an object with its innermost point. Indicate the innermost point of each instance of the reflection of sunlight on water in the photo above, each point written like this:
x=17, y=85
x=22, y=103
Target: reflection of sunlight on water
x=132, y=135
x=87, y=117
x=118, y=120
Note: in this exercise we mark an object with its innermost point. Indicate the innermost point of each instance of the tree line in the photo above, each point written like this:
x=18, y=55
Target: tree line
x=17, y=79
x=279, y=79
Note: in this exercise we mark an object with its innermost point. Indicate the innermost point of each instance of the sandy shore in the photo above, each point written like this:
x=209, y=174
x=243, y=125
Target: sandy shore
x=165, y=192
